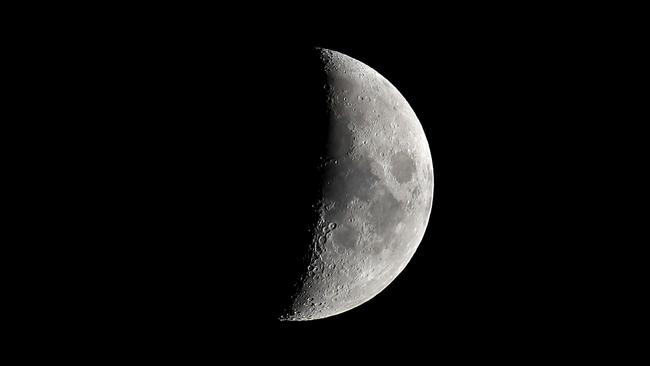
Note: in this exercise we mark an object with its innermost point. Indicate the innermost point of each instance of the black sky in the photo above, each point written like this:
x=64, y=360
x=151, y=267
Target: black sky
x=495, y=260
x=186, y=153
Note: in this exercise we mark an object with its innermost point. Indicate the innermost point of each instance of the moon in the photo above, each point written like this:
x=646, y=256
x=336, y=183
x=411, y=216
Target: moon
x=377, y=189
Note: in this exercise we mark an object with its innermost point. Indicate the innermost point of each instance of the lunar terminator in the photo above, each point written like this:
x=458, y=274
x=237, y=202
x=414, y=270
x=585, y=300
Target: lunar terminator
x=376, y=195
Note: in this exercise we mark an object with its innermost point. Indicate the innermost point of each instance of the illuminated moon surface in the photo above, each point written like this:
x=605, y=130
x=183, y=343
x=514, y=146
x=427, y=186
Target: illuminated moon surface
x=376, y=193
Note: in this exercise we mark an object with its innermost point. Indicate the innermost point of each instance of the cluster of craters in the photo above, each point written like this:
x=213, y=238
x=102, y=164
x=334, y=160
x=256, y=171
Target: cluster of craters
x=377, y=191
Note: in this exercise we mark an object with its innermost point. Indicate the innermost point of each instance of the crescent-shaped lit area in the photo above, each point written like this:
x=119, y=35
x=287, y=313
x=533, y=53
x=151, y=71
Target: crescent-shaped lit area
x=373, y=204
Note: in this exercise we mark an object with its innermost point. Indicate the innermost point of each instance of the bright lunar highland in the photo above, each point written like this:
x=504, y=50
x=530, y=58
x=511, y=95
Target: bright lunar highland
x=375, y=200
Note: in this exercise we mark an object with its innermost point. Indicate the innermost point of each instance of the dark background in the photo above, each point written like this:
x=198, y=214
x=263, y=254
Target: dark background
x=158, y=154
x=492, y=263
x=509, y=255
x=487, y=266
x=187, y=152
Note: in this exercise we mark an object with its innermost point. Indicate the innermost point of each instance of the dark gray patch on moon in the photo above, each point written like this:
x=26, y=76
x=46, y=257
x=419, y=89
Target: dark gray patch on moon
x=386, y=212
x=402, y=167
x=353, y=178
x=347, y=236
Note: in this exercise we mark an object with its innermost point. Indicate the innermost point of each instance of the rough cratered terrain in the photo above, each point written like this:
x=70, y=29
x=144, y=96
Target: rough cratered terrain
x=373, y=206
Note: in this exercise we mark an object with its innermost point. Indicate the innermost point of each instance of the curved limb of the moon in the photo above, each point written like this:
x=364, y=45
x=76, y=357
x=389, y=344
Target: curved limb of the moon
x=376, y=197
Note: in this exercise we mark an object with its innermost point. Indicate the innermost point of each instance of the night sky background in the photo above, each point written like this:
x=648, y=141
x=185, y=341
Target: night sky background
x=497, y=265
x=473, y=271
x=187, y=160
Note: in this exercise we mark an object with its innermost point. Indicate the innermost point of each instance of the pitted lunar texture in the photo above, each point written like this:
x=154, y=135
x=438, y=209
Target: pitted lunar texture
x=376, y=197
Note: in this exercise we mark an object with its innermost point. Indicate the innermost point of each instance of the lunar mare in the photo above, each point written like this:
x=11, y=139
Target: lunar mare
x=376, y=196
